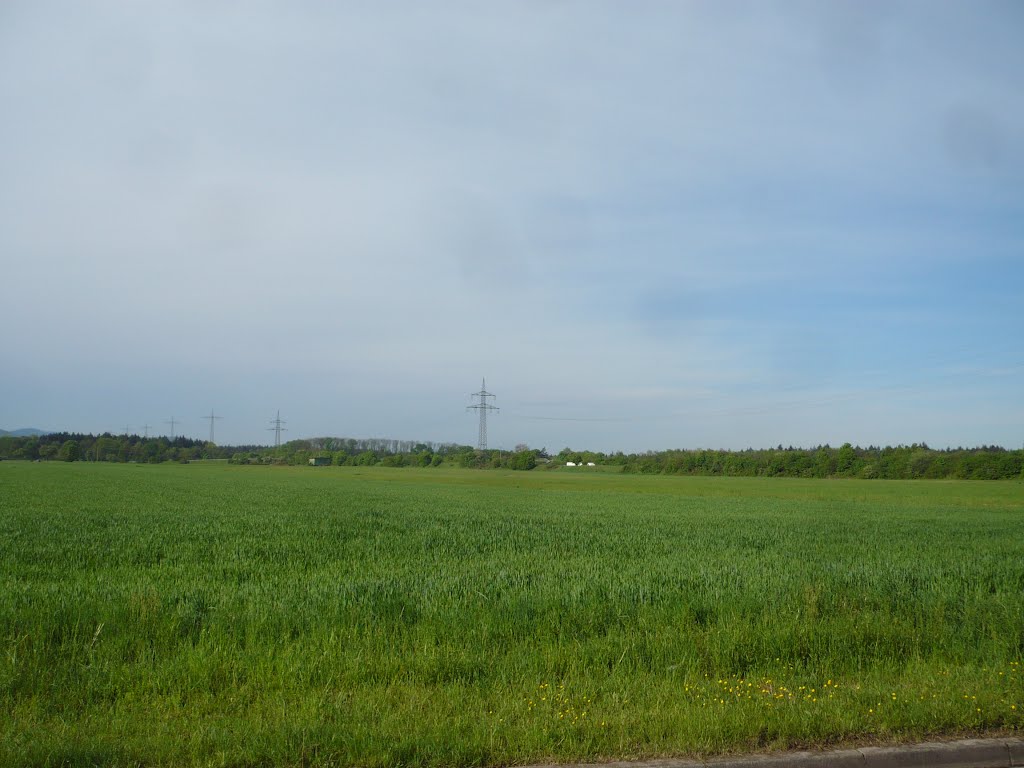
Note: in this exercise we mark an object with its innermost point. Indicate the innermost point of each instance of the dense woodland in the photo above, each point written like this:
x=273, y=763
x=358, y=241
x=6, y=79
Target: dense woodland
x=902, y=462
x=70, y=446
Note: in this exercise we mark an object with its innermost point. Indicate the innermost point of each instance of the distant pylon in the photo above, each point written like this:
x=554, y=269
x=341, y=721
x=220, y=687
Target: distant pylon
x=211, y=417
x=145, y=430
x=277, y=429
x=172, y=421
x=482, y=407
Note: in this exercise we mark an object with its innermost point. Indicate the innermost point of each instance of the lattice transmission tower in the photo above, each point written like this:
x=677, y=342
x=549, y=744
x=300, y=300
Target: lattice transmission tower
x=482, y=407
x=277, y=429
x=212, y=419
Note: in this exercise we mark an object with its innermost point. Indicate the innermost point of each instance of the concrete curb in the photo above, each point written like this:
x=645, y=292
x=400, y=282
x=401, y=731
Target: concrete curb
x=967, y=753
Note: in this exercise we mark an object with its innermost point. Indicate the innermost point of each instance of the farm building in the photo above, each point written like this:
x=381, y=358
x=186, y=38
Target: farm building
x=320, y=461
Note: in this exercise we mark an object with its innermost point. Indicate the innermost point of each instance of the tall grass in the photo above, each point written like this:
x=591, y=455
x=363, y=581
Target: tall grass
x=213, y=615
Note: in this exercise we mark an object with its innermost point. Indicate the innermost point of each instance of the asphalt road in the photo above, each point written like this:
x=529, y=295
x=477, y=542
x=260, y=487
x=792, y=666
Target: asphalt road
x=967, y=753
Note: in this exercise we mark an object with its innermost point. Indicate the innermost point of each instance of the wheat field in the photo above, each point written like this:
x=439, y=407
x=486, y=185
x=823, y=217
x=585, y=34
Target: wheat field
x=243, y=616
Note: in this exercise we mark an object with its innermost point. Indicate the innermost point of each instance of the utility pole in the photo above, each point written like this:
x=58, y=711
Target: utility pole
x=482, y=407
x=172, y=422
x=277, y=429
x=212, y=418
x=145, y=430
x=127, y=429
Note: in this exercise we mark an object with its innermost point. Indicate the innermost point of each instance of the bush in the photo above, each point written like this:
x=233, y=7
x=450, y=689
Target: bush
x=523, y=460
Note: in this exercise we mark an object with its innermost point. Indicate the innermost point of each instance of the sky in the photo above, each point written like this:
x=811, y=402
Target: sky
x=649, y=225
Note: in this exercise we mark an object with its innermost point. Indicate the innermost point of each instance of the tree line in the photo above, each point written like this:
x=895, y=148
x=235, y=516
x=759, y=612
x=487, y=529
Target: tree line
x=364, y=452
x=340, y=451
x=902, y=462
x=74, y=446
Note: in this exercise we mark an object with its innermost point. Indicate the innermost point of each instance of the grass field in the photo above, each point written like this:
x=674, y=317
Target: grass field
x=221, y=615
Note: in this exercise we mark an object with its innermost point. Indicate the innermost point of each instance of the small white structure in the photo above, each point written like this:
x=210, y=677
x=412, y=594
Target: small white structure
x=570, y=463
x=591, y=464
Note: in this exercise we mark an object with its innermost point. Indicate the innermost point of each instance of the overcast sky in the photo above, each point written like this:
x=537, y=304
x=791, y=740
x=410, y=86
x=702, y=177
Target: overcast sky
x=647, y=224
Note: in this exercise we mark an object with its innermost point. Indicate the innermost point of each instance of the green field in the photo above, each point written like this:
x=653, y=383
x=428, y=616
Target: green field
x=223, y=615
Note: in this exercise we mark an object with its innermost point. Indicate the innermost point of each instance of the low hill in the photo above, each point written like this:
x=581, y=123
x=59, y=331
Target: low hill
x=26, y=432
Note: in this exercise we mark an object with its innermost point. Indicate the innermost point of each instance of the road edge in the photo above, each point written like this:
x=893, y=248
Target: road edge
x=965, y=753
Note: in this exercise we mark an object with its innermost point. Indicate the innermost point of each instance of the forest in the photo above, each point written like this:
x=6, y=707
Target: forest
x=902, y=462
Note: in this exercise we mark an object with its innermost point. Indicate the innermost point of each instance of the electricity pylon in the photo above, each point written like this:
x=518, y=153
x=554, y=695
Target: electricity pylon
x=482, y=407
x=277, y=429
x=211, y=417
